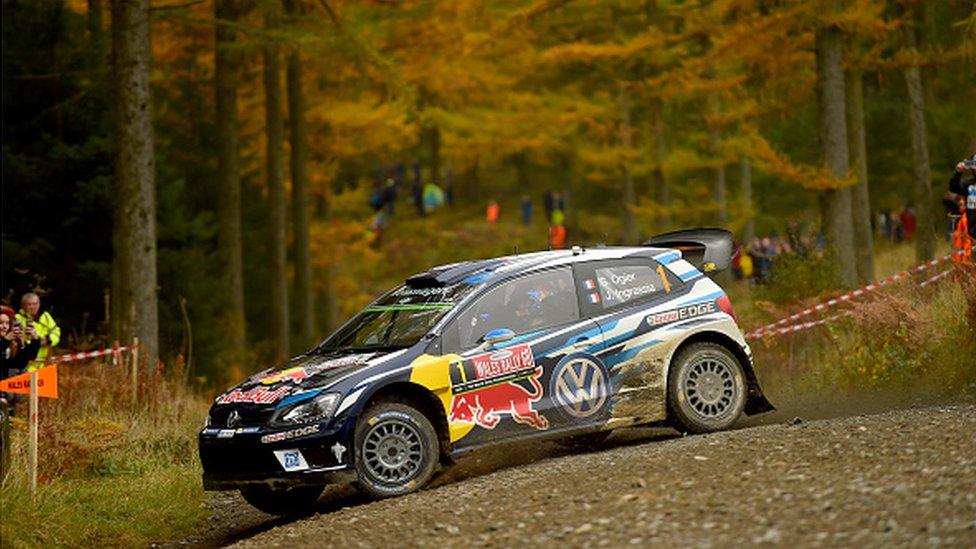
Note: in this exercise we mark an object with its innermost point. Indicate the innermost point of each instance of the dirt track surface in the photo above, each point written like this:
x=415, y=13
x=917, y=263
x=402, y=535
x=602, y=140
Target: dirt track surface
x=906, y=477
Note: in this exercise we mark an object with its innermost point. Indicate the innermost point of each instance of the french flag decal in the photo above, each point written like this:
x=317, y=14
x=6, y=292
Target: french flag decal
x=594, y=298
x=589, y=284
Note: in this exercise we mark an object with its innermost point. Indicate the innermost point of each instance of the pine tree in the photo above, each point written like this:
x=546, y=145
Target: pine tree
x=134, y=231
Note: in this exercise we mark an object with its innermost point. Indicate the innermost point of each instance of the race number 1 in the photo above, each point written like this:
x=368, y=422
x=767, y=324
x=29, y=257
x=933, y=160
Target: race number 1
x=664, y=278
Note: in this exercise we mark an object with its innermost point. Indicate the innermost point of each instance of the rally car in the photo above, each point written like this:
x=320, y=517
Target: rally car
x=569, y=343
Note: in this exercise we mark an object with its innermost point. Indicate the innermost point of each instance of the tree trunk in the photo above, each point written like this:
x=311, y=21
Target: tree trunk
x=630, y=224
x=837, y=222
x=94, y=23
x=860, y=201
x=229, y=248
x=745, y=171
x=925, y=237
x=134, y=187
x=659, y=186
x=304, y=295
x=715, y=148
x=276, y=194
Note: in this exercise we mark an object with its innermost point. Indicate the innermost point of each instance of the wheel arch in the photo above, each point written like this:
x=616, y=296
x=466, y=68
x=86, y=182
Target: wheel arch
x=756, y=402
x=421, y=398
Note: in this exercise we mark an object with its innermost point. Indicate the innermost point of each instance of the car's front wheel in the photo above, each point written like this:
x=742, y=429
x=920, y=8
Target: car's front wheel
x=396, y=450
x=283, y=501
x=706, y=388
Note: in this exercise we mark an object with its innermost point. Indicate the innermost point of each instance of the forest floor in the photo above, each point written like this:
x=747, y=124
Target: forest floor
x=902, y=477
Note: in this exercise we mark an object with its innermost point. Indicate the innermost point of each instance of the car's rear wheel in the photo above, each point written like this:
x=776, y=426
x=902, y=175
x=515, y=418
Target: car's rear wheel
x=706, y=388
x=283, y=501
x=396, y=450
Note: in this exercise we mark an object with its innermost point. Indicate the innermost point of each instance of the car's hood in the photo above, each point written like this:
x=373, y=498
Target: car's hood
x=298, y=374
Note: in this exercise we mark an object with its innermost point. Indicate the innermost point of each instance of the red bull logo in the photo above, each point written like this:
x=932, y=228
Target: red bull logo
x=485, y=388
x=295, y=375
x=257, y=395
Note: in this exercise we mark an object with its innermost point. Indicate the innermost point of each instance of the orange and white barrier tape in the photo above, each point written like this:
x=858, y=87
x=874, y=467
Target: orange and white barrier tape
x=935, y=278
x=116, y=352
x=803, y=325
x=773, y=327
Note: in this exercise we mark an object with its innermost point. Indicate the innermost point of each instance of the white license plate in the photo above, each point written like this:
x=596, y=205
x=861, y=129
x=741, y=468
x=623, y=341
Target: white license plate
x=291, y=460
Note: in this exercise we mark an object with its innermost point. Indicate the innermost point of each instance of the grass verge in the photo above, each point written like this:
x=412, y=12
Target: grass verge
x=111, y=473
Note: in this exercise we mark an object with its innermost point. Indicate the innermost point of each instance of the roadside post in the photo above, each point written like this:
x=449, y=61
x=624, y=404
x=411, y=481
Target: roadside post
x=4, y=440
x=32, y=445
x=135, y=370
x=39, y=383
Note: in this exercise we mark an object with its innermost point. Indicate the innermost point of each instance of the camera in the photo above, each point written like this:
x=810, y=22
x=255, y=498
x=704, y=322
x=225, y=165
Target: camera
x=969, y=164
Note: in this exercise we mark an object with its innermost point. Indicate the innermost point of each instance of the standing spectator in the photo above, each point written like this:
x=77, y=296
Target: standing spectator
x=417, y=190
x=558, y=204
x=966, y=187
x=449, y=187
x=526, y=206
x=15, y=351
x=433, y=197
x=557, y=237
x=38, y=325
x=549, y=203
x=492, y=212
x=909, y=223
x=390, y=195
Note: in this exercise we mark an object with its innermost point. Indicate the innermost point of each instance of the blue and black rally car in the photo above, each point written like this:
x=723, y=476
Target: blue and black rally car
x=570, y=343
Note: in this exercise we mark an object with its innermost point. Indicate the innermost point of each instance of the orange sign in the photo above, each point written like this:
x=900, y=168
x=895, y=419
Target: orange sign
x=47, y=383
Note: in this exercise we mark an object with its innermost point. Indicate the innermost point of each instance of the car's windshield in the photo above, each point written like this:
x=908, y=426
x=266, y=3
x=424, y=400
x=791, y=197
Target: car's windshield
x=397, y=320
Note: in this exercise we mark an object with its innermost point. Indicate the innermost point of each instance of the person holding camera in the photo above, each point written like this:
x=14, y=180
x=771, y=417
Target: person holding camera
x=15, y=351
x=39, y=325
x=963, y=183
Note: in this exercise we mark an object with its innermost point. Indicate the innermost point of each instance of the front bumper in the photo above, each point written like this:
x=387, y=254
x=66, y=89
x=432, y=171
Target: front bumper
x=235, y=458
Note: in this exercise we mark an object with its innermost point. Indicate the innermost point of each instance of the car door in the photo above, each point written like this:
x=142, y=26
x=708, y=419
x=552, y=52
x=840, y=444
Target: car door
x=523, y=386
x=618, y=294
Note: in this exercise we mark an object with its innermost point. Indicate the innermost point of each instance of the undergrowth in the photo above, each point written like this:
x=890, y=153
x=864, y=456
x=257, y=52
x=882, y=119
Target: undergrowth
x=902, y=343
x=110, y=472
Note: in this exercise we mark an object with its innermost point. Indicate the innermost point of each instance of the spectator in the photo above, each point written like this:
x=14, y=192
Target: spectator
x=557, y=237
x=433, y=197
x=417, y=190
x=549, y=203
x=909, y=223
x=38, y=326
x=526, y=206
x=558, y=217
x=966, y=187
x=492, y=212
x=14, y=351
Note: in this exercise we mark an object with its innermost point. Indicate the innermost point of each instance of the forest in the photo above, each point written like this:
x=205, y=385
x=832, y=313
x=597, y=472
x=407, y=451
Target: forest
x=202, y=174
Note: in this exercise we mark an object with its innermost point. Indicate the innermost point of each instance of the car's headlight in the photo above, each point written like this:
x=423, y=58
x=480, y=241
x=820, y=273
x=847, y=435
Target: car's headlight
x=317, y=409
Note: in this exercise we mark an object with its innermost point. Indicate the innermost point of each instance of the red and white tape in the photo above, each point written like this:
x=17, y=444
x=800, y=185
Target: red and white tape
x=773, y=327
x=71, y=357
x=935, y=278
x=804, y=325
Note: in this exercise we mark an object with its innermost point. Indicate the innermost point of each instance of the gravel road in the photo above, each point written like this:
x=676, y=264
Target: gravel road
x=905, y=477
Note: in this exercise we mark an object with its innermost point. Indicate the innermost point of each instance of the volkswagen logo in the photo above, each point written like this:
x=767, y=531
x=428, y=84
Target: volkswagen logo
x=234, y=419
x=580, y=385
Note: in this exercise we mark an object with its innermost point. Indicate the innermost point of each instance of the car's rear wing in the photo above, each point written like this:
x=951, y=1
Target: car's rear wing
x=709, y=250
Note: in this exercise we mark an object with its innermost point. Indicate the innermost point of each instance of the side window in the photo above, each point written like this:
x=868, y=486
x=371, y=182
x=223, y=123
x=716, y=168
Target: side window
x=522, y=305
x=611, y=284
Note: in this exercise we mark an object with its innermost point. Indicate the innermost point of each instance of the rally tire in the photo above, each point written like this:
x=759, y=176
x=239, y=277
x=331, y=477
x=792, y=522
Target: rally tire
x=397, y=450
x=299, y=500
x=706, y=389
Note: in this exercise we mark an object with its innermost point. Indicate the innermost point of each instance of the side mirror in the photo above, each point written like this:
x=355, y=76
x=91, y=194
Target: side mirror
x=496, y=336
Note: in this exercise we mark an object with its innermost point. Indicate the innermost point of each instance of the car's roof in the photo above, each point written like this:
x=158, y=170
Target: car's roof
x=489, y=270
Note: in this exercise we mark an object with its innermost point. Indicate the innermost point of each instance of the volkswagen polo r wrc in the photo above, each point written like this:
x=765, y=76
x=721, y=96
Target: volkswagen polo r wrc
x=568, y=343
